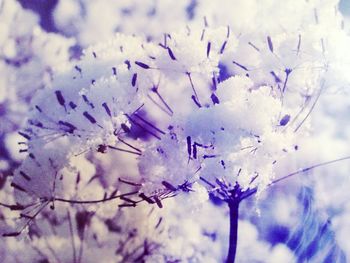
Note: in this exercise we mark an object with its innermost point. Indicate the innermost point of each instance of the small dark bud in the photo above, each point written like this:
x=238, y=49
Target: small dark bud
x=284, y=121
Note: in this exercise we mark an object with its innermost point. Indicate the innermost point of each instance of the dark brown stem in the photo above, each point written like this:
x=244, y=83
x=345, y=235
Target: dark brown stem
x=234, y=209
x=93, y=201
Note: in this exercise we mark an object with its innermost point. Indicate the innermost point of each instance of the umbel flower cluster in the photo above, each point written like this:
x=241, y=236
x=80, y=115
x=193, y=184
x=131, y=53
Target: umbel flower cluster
x=28, y=57
x=123, y=146
x=221, y=132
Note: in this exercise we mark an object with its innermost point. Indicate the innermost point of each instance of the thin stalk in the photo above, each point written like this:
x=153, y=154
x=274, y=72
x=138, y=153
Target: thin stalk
x=234, y=209
x=253, y=191
x=72, y=236
x=93, y=201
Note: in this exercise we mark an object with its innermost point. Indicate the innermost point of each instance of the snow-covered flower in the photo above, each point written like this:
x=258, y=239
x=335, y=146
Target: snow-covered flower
x=162, y=123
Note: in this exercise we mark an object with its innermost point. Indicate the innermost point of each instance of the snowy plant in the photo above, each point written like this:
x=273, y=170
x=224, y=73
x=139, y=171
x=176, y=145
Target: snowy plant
x=148, y=18
x=146, y=123
x=28, y=58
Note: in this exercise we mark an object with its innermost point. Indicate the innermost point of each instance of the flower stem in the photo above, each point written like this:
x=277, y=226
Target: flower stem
x=234, y=208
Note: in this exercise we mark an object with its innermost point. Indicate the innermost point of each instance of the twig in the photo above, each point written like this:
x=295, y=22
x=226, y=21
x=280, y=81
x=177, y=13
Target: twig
x=93, y=201
x=251, y=192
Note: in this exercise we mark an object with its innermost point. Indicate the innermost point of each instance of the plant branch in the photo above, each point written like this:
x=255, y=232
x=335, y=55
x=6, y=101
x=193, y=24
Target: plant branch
x=251, y=192
x=93, y=201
